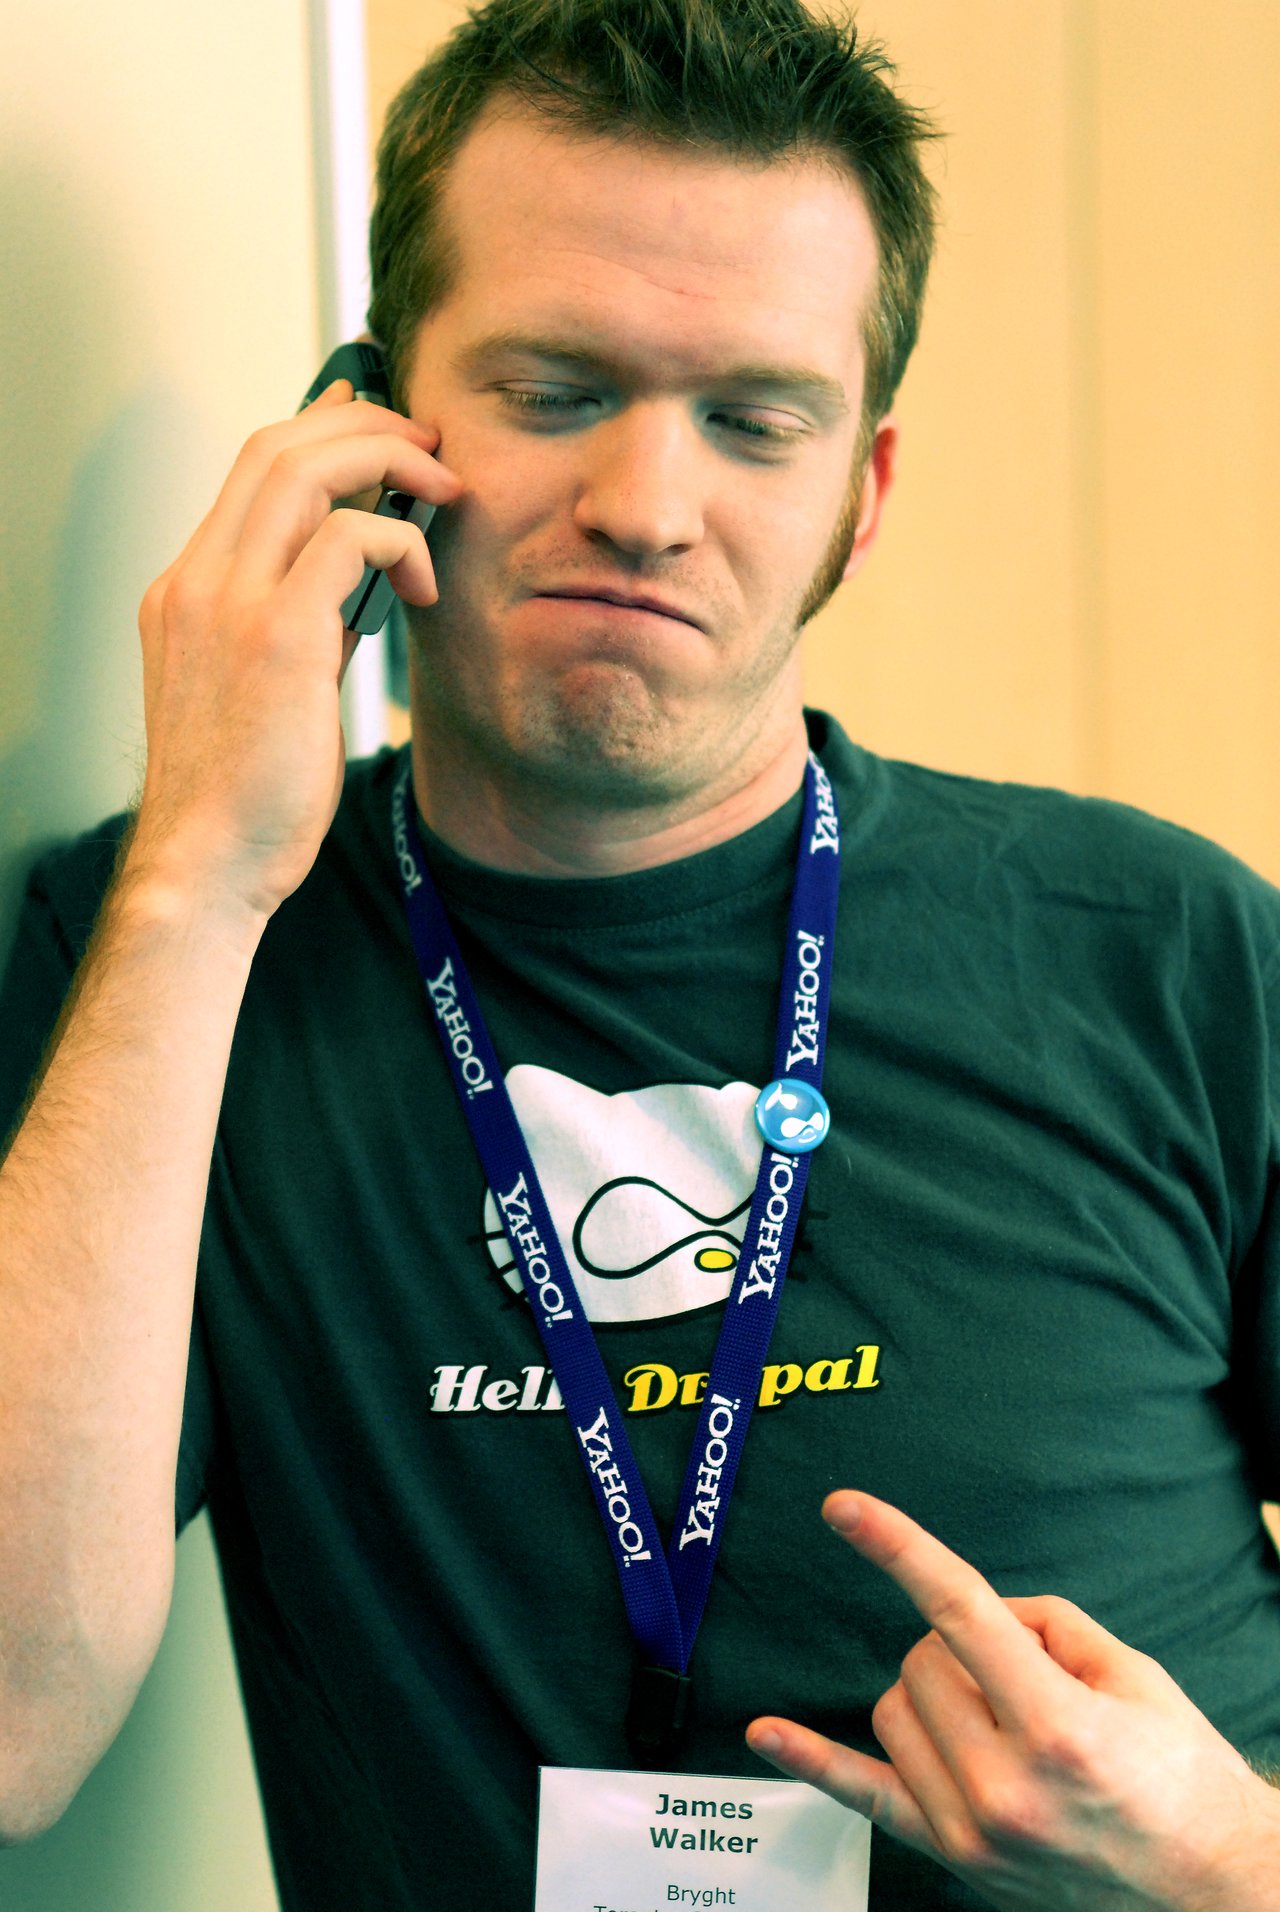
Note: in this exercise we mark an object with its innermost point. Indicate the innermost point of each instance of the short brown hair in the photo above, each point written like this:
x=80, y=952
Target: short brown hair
x=756, y=79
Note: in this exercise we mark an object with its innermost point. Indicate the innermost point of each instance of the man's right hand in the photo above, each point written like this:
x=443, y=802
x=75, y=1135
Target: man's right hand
x=244, y=649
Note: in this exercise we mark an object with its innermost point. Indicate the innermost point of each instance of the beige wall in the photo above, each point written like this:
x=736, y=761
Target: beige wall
x=158, y=301
x=1079, y=573
x=1093, y=428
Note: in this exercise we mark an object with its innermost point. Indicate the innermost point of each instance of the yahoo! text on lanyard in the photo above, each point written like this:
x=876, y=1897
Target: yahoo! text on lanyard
x=664, y=1589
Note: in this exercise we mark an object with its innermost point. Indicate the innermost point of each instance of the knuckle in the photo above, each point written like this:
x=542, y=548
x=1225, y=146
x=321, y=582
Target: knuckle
x=183, y=598
x=268, y=635
x=289, y=463
x=921, y=1656
x=1068, y=1750
x=339, y=526
x=261, y=445
x=887, y=1713
x=350, y=526
x=149, y=611
x=824, y=1769
x=346, y=528
x=349, y=520
x=882, y=1808
x=252, y=626
x=1006, y=1810
x=959, y=1607
x=1147, y=1663
x=965, y=1846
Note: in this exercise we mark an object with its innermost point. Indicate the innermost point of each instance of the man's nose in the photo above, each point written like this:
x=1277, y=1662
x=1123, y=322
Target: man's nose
x=643, y=481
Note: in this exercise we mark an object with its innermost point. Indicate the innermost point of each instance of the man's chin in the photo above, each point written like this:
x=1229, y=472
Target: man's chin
x=605, y=710
x=601, y=735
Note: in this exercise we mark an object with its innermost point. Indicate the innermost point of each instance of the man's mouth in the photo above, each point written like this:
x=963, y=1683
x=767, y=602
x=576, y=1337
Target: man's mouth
x=625, y=600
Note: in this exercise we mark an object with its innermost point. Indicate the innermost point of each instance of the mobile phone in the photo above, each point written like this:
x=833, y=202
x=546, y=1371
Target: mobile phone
x=370, y=604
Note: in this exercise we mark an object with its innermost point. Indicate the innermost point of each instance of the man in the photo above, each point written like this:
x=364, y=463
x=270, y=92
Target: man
x=645, y=315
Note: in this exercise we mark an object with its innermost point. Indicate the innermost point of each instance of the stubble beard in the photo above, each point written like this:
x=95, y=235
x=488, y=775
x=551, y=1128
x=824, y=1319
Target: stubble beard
x=599, y=733
x=826, y=579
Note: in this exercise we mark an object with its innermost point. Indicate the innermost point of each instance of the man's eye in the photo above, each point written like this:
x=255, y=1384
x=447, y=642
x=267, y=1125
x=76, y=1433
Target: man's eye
x=762, y=429
x=542, y=401
x=567, y=404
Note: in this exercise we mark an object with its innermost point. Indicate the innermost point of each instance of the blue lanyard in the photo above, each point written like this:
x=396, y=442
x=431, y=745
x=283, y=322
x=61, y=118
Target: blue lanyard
x=664, y=1589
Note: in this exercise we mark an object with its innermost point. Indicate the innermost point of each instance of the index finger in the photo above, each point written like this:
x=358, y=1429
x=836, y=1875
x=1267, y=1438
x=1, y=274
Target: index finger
x=1007, y=1659
x=329, y=420
x=299, y=491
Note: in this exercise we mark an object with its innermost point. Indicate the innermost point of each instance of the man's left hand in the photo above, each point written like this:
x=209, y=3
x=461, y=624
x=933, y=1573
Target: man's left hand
x=1036, y=1756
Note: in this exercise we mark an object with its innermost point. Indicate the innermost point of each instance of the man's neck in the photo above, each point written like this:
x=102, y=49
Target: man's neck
x=520, y=825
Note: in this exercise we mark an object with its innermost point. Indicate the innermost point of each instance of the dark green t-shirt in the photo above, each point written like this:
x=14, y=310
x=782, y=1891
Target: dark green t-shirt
x=1034, y=1299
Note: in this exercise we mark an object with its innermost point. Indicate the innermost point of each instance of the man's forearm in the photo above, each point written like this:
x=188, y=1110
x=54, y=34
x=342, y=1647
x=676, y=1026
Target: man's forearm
x=243, y=653
x=101, y=1200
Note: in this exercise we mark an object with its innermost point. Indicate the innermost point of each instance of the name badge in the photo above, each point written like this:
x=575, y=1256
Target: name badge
x=646, y=1842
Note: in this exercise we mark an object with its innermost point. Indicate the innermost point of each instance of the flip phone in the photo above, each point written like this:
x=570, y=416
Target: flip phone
x=367, y=608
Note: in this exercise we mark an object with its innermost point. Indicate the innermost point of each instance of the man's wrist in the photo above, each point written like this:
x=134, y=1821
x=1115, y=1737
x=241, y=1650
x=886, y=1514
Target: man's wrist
x=162, y=892
x=1245, y=1874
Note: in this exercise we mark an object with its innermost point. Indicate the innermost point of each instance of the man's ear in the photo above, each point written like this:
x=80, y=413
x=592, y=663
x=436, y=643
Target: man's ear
x=877, y=483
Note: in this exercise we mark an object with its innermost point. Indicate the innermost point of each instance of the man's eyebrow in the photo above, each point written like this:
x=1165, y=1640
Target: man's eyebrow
x=824, y=393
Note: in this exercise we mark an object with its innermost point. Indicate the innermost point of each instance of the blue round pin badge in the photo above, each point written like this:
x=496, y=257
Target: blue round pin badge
x=792, y=1115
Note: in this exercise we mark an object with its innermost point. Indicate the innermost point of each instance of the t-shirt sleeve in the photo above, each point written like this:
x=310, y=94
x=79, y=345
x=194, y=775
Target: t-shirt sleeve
x=1257, y=1312
x=38, y=974
x=197, y=1446
x=63, y=895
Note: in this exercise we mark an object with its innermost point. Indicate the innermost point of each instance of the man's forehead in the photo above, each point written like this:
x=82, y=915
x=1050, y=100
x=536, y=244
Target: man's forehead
x=516, y=163
x=783, y=251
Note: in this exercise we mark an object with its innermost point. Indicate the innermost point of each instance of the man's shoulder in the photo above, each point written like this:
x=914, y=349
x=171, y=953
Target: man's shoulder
x=70, y=878
x=994, y=849
x=1106, y=848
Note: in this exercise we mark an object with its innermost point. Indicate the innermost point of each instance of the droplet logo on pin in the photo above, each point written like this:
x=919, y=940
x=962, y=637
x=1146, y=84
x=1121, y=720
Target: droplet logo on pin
x=792, y=1116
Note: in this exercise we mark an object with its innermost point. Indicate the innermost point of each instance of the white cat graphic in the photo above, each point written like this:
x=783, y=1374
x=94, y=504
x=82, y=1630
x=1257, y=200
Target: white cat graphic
x=649, y=1190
